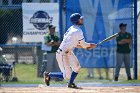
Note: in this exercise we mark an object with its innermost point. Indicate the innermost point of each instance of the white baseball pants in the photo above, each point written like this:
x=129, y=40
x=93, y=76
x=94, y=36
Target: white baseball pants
x=67, y=62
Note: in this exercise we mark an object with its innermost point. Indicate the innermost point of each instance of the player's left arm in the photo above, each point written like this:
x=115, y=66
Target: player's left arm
x=47, y=41
x=128, y=40
x=56, y=42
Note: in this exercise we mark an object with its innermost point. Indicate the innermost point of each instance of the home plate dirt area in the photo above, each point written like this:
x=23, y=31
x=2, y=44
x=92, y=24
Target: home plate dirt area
x=96, y=89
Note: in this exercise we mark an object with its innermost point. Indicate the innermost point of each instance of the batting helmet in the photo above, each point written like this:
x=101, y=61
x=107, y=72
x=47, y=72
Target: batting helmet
x=75, y=17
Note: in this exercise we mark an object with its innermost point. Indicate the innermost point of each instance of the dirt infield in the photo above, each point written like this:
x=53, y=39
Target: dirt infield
x=44, y=89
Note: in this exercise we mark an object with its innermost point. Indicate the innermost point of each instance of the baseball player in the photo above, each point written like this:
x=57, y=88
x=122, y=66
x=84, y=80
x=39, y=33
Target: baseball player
x=67, y=61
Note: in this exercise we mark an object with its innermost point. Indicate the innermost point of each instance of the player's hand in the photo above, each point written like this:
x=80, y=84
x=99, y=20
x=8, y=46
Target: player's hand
x=127, y=40
x=50, y=43
x=56, y=43
x=79, y=46
x=92, y=45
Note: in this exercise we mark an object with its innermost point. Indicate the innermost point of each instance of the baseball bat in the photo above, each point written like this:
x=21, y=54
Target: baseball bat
x=108, y=38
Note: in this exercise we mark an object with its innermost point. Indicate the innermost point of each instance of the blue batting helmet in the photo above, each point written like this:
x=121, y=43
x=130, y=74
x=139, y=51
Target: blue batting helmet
x=75, y=17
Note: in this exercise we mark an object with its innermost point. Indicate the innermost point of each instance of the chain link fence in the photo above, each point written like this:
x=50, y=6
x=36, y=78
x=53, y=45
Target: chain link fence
x=26, y=61
x=14, y=50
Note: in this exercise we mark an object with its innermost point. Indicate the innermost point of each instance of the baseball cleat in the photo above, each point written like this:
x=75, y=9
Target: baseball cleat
x=116, y=79
x=46, y=78
x=129, y=78
x=73, y=86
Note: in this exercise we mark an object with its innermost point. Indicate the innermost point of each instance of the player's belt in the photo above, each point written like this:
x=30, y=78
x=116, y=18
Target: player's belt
x=60, y=49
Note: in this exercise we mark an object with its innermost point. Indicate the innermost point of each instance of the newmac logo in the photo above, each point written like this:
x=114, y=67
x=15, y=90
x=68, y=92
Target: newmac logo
x=41, y=20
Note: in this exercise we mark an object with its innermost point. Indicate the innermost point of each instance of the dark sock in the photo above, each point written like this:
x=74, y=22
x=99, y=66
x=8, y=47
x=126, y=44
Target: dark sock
x=72, y=78
x=56, y=75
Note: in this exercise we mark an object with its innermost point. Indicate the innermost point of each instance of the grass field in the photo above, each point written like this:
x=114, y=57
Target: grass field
x=27, y=74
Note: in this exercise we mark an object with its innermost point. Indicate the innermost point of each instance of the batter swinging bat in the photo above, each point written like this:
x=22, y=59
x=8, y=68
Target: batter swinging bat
x=109, y=38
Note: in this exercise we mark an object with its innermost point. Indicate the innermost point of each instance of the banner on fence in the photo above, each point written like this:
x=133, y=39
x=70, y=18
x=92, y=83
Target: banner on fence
x=36, y=19
x=101, y=19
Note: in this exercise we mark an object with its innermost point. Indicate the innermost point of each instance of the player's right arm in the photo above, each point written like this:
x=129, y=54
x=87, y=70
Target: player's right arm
x=82, y=43
x=48, y=41
x=125, y=41
x=86, y=45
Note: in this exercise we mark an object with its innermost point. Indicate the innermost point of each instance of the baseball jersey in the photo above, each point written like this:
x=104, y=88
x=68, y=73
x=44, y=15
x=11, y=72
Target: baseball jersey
x=123, y=48
x=48, y=38
x=71, y=39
